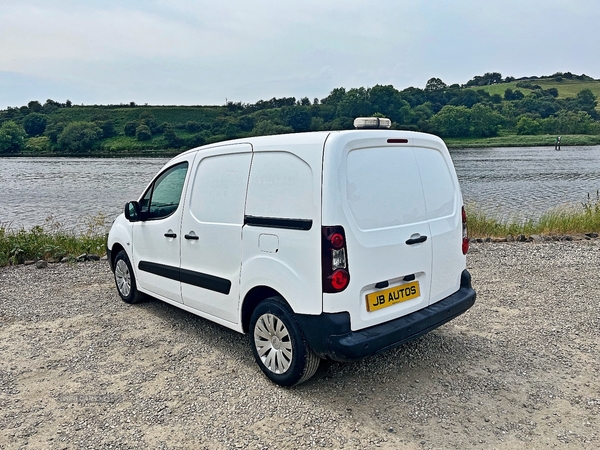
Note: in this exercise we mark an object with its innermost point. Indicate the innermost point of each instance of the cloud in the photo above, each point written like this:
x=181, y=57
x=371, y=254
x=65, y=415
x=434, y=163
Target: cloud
x=184, y=51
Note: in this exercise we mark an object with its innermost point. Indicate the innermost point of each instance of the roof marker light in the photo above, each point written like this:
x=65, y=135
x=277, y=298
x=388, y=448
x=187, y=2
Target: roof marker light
x=372, y=122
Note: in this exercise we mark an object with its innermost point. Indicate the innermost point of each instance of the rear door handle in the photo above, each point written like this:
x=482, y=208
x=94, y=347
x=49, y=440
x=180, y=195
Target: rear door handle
x=170, y=235
x=192, y=237
x=418, y=240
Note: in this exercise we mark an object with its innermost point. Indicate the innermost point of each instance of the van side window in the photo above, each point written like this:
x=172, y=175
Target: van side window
x=219, y=190
x=163, y=197
x=281, y=186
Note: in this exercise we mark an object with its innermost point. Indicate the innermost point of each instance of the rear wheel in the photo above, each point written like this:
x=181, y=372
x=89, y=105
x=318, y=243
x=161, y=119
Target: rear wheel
x=125, y=280
x=278, y=344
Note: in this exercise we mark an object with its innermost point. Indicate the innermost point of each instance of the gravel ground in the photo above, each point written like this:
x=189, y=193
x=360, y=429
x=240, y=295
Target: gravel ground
x=81, y=369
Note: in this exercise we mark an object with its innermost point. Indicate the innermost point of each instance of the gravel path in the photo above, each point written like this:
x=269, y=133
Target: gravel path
x=81, y=369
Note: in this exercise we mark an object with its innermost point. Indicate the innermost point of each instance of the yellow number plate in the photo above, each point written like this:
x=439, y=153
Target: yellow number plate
x=391, y=296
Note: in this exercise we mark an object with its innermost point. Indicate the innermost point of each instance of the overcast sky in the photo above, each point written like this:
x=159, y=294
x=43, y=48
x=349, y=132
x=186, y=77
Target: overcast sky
x=204, y=52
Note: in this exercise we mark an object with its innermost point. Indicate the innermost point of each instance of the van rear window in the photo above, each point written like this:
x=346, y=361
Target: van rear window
x=383, y=187
x=390, y=186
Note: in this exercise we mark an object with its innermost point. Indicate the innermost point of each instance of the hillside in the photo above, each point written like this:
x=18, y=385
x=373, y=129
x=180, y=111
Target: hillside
x=487, y=107
x=566, y=87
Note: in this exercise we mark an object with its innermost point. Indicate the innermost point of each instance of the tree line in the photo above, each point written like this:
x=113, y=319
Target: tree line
x=450, y=111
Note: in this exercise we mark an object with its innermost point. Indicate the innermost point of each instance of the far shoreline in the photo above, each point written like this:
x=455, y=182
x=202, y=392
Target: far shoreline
x=576, y=140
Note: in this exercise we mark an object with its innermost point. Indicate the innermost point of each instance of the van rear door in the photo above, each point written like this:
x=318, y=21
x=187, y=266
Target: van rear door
x=372, y=186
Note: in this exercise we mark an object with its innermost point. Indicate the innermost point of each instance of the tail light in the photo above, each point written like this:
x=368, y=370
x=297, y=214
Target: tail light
x=334, y=260
x=465, y=234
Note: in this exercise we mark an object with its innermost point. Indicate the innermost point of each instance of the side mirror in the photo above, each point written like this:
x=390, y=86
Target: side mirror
x=132, y=211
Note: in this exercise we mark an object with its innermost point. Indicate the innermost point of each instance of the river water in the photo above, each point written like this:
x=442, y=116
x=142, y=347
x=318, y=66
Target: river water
x=519, y=182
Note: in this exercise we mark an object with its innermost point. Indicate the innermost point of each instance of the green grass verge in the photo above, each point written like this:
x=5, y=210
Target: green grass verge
x=583, y=219
x=52, y=241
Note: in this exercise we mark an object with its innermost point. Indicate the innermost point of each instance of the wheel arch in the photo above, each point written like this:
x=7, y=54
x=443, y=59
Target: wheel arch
x=114, y=251
x=252, y=299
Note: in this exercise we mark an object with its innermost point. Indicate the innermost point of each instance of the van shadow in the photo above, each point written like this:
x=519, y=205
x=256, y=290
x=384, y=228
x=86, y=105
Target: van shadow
x=439, y=354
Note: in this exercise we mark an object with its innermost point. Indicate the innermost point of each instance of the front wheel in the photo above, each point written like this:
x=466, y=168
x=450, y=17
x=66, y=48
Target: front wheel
x=125, y=280
x=278, y=344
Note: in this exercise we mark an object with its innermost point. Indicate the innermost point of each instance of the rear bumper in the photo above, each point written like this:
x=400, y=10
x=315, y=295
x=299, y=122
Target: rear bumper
x=330, y=335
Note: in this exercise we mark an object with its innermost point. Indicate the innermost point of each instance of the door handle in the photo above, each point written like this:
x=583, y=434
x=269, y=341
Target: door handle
x=170, y=235
x=418, y=240
x=191, y=237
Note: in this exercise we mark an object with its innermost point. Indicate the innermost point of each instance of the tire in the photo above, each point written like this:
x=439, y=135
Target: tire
x=278, y=344
x=125, y=280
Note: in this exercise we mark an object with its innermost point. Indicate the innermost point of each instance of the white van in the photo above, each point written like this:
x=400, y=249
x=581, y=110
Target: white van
x=334, y=245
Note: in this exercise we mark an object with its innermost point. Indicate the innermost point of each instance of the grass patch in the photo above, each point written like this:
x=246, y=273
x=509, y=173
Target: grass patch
x=571, y=220
x=52, y=241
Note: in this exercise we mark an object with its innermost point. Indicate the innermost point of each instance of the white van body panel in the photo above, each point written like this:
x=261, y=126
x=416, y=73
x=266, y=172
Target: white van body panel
x=285, y=184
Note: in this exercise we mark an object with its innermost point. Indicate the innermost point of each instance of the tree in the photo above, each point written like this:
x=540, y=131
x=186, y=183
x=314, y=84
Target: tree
x=570, y=122
x=485, y=79
x=452, y=121
x=356, y=103
x=11, y=137
x=172, y=140
x=509, y=94
x=485, y=122
x=130, y=128
x=335, y=96
x=435, y=84
x=34, y=106
x=388, y=101
x=297, y=117
x=266, y=127
x=585, y=100
x=79, y=136
x=107, y=127
x=53, y=130
x=143, y=133
x=191, y=126
x=466, y=97
x=35, y=124
x=148, y=119
x=527, y=125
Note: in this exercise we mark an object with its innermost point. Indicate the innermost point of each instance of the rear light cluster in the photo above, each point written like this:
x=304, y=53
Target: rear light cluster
x=465, y=234
x=334, y=260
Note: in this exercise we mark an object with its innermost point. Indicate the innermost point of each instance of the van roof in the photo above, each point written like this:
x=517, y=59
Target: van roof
x=314, y=137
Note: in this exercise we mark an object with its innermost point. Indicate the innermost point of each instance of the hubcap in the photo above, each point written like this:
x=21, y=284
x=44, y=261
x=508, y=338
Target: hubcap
x=273, y=343
x=123, y=278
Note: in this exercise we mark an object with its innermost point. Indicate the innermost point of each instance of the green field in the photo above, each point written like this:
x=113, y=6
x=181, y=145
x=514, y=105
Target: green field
x=566, y=88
